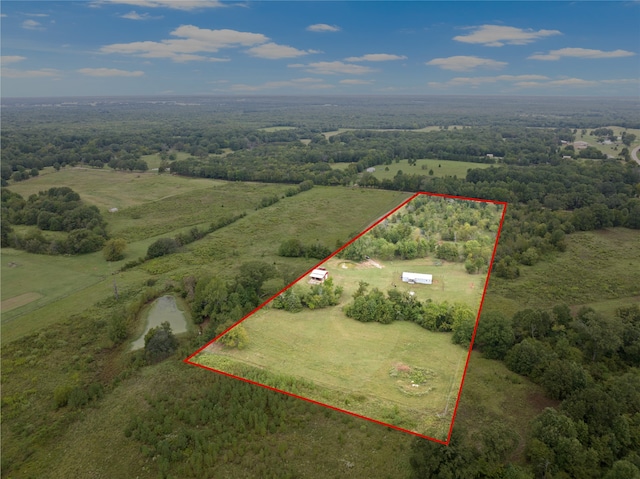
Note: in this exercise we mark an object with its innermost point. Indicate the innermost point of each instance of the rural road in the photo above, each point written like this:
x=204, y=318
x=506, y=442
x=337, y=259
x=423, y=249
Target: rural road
x=634, y=154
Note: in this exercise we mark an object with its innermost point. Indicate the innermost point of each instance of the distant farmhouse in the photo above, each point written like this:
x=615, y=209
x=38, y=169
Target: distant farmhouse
x=318, y=275
x=413, y=278
x=371, y=169
x=580, y=145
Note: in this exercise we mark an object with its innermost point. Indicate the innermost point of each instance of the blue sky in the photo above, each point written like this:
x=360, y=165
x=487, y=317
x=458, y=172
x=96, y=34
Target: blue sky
x=133, y=47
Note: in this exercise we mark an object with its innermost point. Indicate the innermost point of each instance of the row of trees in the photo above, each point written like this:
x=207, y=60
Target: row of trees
x=399, y=306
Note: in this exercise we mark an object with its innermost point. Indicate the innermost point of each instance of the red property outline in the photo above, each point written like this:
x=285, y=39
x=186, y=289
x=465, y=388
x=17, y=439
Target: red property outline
x=369, y=228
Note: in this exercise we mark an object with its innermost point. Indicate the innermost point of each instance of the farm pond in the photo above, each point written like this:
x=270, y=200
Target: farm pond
x=161, y=310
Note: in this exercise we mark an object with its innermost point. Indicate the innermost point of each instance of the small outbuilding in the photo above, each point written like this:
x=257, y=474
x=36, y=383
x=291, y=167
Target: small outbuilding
x=419, y=278
x=319, y=275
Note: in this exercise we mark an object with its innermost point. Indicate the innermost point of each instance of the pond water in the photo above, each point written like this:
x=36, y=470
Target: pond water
x=161, y=310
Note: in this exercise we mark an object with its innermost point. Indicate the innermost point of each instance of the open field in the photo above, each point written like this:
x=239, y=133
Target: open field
x=598, y=267
x=276, y=128
x=350, y=358
x=164, y=205
x=107, y=188
x=498, y=399
x=446, y=168
x=154, y=160
x=451, y=282
x=358, y=360
x=609, y=149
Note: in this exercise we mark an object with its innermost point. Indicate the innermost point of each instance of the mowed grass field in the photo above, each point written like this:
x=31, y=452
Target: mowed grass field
x=440, y=168
x=358, y=359
x=451, y=282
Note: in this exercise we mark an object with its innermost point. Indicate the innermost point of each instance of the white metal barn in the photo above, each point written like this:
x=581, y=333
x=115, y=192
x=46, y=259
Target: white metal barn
x=419, y=278
x=319, y=274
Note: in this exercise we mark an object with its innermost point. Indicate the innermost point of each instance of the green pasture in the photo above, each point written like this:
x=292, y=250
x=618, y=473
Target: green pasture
x=422, y=167
x=609, y=149
x=48, y=289
x=357, y=360
x=200, y=206
x=451, y=282
x=107, y=188
x=353, y=358
x=154, y=160
x=494, y=398
x=598, y=267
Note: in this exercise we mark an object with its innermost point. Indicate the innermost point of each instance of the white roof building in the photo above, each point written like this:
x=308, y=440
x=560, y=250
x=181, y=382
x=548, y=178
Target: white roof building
x=420, y=278
x=319, y=274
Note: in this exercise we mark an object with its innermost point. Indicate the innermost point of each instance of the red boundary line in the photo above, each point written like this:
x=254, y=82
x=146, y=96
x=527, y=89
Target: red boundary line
x=381, y=219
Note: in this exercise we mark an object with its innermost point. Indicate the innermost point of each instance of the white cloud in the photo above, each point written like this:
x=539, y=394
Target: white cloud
x=465, y=63
x=192, y=40
x=7, y=59
x=571, y=82
x=273, y=51
x=37, y=14
x=580, y=53
x=530, y=81
x=298, y=83
x=499, y=35
x=355, y=81
x=174, y=4
x=375, y=57
x=110, y=72
x=323, y=27
x=331, y=68
x=3, y=15
x=43, y=72
x=622, y=81
x=133, y=15
x=476, y=81
x=32, y=25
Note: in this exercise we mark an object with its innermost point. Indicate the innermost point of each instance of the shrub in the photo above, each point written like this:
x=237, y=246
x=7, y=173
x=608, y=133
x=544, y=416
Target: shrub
x=161, y=247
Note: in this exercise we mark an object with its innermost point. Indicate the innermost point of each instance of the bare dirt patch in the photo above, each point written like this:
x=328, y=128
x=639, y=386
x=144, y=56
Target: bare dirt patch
x=369, y=264
x=17, y=301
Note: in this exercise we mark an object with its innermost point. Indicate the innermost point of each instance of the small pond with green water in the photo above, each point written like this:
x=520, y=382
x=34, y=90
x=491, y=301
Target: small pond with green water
x=161, y=310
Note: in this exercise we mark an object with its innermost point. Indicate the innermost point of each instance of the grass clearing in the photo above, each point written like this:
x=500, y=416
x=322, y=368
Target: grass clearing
x=107, y=188
x=598, y=267
x=495, y=398
x=376, y=363
x=84, y=280
x=17, y=301
x=270, y=129
x=154, y=160
x=609, y=149
x=423, y=166
x=357, y=365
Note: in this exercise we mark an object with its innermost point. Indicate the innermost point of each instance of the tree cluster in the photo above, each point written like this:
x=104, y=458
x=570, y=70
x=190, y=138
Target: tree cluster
x=317, y=296
x=588, y=361
x=57, y=209
x=400, y=306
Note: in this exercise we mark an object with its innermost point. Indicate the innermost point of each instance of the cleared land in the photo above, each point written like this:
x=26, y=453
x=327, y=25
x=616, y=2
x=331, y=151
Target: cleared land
x=599, y=269
x=440, y=168
x=371, y=362
x=17, y=301
x=154, y=206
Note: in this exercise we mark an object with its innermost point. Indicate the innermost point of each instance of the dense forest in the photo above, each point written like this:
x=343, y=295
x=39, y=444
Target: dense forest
x=72, y=373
